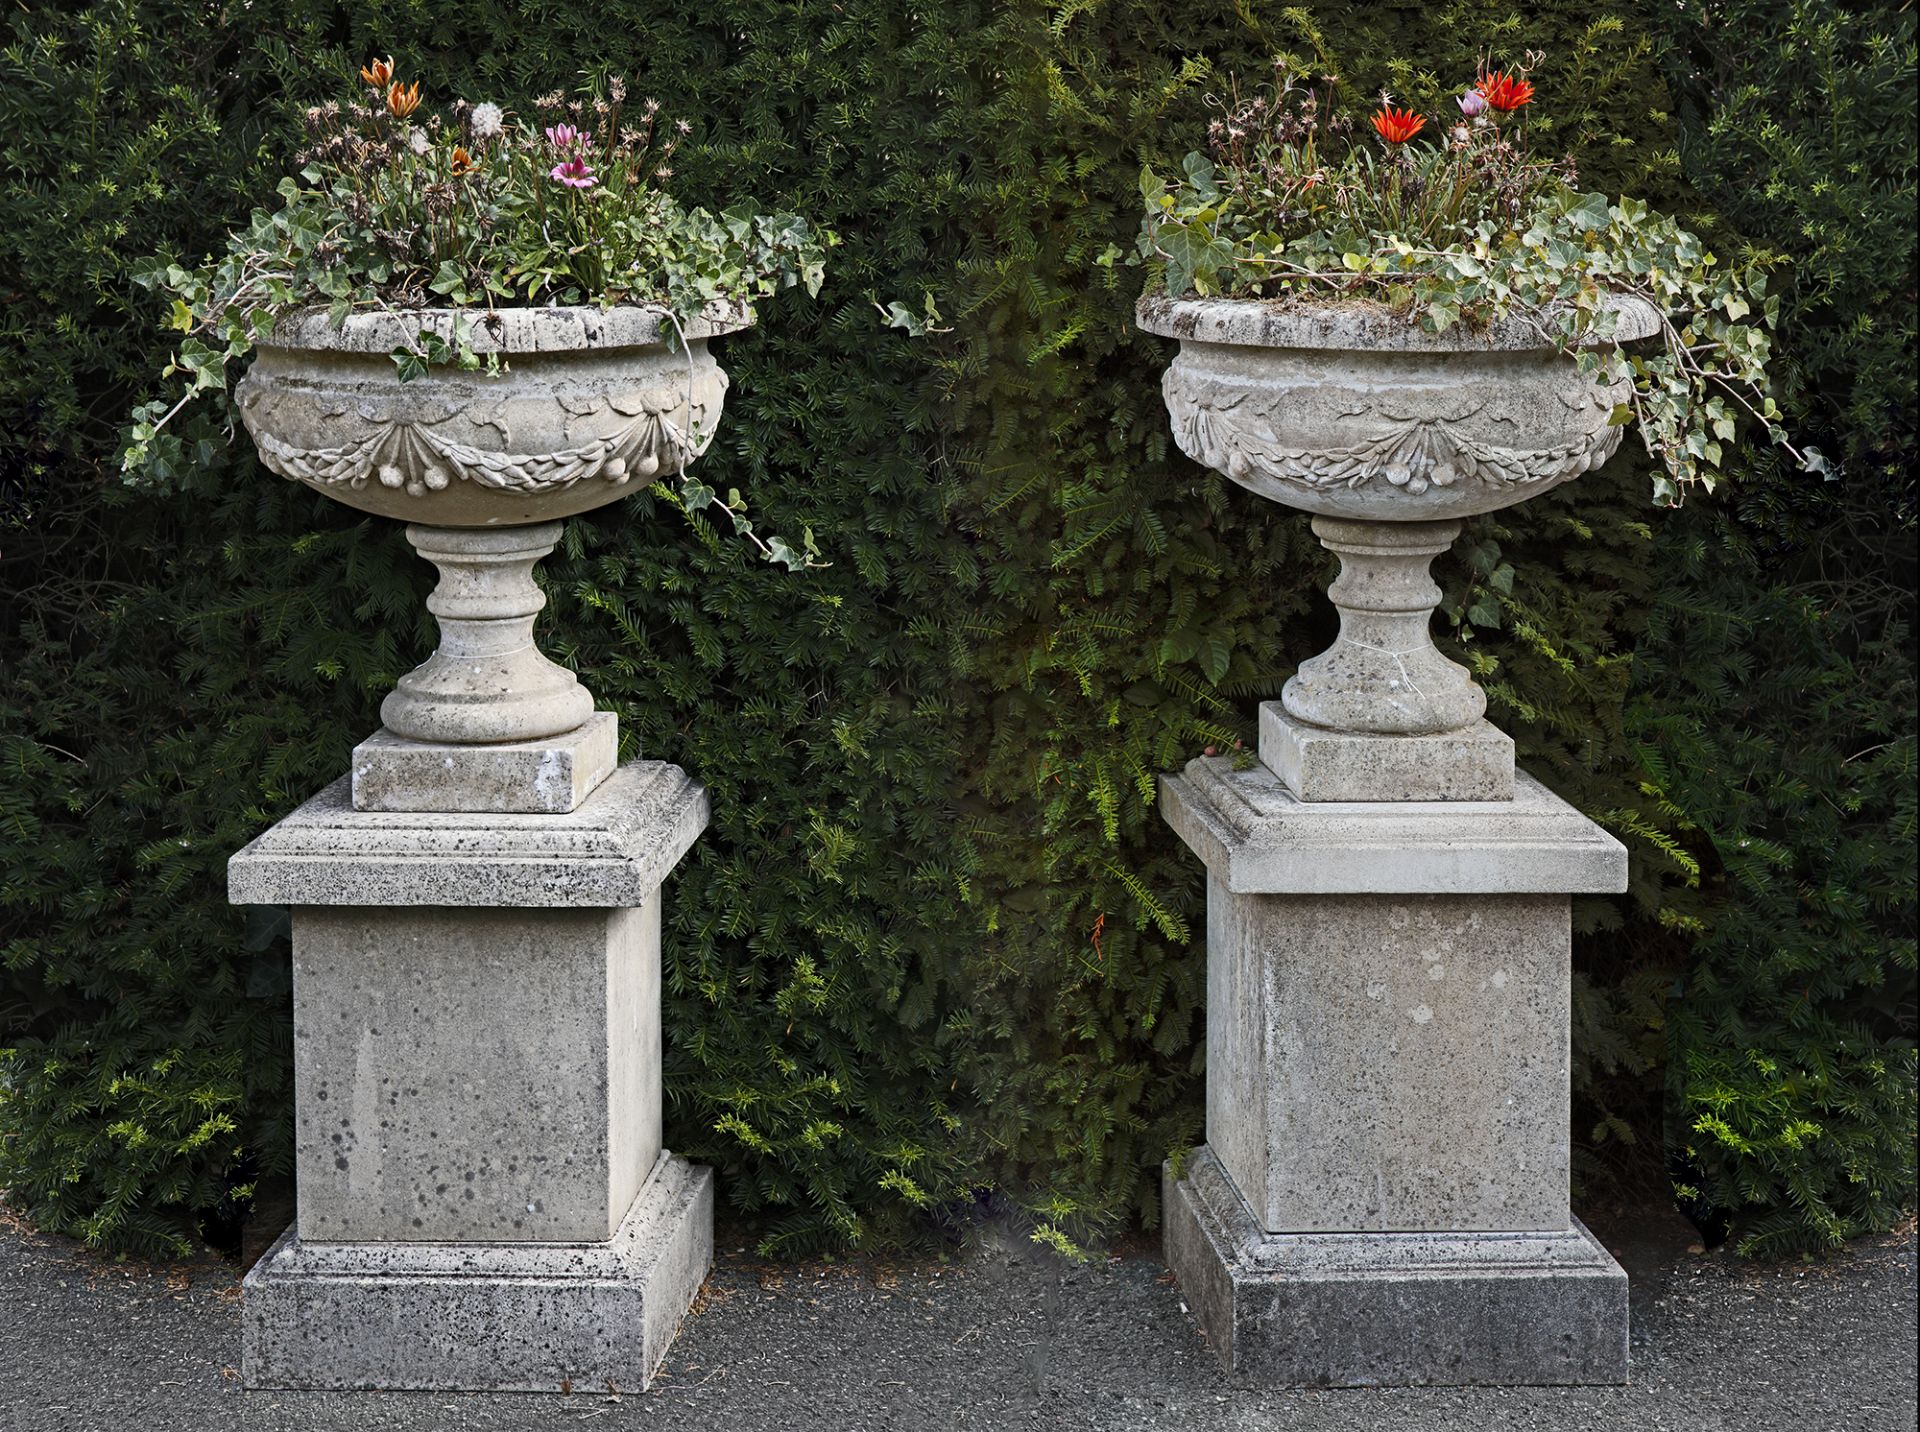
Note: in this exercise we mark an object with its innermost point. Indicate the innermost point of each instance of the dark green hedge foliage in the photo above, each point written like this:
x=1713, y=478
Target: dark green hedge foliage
x=936, y=937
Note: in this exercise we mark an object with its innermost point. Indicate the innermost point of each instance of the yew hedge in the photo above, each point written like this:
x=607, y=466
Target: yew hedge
x=936, y=941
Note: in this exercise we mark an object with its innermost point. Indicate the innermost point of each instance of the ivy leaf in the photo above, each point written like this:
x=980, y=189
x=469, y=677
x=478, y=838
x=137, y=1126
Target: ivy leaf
x=1590, y=213
x=1485, y=612
x=1199, y=172
x=1194, y=257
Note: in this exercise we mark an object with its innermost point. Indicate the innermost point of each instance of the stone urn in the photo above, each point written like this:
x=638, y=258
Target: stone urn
x=1389, y=436
x=1383, y=1195
x=590, y=405
x=485, y=1199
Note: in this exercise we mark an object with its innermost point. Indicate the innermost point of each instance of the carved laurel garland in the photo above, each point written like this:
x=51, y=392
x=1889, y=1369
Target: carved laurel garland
x=408, y=454
x=1231, y=431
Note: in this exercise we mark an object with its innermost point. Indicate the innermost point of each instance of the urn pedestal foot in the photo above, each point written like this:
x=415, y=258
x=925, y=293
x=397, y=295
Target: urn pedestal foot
x=486, y=681
x=483, y=1199
x=1384, y=676
x=1390, y=1309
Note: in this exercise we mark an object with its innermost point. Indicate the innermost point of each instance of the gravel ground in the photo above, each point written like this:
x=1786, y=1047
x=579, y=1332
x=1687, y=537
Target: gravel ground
x=1006, y=1338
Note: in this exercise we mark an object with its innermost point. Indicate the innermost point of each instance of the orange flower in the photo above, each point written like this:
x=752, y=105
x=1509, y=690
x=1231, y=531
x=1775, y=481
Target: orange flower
x=402, y=100
x=1397, y=126
x=462, y=162
x=378, y=73
x=1504, y=92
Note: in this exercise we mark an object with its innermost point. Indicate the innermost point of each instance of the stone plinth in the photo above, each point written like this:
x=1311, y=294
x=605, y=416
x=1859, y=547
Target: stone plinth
x=1383, y=1194
x=499, y=1317
x=484, y=1201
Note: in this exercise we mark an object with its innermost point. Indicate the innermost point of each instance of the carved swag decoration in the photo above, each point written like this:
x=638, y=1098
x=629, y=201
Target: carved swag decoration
x=1233, y=431
x=408, y=454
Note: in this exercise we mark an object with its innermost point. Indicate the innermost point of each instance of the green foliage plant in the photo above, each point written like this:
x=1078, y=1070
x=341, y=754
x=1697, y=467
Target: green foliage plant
x=397, y=209
x=1294, y=198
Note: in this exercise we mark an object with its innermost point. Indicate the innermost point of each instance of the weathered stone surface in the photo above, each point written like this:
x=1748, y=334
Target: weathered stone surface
x=1388, y=435
x=468, y=1075
x=1345, y=409
x=1257, y=837
x=1392, y=1309
x=591, y=402
x=614, y=850
x=547, y=777
x=491, y=1317
x=482, y=1200
x=1384, y=675
x=1390, y=1062
x=1363, y=325
x=1475, y=764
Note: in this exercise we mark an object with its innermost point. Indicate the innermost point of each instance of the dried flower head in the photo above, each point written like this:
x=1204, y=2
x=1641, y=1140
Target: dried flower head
x=486, y=120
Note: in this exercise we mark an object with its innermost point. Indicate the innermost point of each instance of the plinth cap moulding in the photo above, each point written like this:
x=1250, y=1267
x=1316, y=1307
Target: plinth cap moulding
x=1256, y=836
x=613, y=851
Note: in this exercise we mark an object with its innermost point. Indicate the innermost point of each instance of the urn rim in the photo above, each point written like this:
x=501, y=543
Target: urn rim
x=1363, y=325
x=513, y=331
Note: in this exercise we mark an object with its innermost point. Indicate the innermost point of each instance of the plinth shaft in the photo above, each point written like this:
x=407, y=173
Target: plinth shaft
x=1390, y=1063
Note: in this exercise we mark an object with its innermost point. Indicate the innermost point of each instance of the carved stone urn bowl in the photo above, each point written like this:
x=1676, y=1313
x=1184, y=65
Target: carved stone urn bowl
x=1390, y=436
x=592, y=404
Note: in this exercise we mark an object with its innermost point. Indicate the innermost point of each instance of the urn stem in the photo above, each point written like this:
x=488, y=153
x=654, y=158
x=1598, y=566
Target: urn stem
x=487, y=681
x=1384, y=676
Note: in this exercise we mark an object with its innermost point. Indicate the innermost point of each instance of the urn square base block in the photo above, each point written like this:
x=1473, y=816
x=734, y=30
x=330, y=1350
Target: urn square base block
x=1392, y=1309
x=1475, y=764
x=548, y=777
x=498, y=1317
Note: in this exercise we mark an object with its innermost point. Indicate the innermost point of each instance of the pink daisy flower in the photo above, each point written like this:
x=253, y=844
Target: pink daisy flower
x=575, y=173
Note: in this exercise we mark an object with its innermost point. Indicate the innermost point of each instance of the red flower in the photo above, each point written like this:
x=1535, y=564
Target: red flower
x=1504, y=92
x=1397, y=126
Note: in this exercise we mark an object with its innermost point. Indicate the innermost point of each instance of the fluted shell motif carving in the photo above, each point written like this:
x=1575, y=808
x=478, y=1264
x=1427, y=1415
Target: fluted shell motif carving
x=1411, y=437
x=557, y=433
